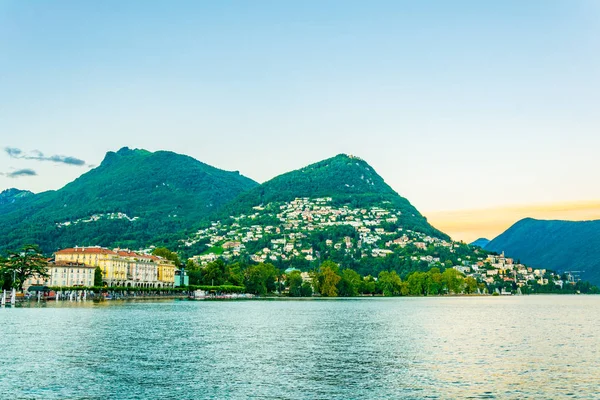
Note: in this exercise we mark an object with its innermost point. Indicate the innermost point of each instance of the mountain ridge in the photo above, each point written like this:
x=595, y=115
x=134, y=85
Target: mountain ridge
x=481, y=242
x=136, y=198
x=555, y=244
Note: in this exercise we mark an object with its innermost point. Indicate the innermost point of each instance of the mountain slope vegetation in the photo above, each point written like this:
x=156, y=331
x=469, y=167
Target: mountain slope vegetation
x=348, y=180
x=132, y=198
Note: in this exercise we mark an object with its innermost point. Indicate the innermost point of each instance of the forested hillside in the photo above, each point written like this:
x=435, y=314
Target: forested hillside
x=134, y=198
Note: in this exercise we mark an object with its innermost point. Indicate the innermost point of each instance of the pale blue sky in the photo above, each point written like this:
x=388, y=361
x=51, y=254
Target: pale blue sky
x=464, y=104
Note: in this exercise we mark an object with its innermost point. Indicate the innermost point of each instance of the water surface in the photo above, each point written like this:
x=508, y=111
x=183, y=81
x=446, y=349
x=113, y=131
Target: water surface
x=463, y=347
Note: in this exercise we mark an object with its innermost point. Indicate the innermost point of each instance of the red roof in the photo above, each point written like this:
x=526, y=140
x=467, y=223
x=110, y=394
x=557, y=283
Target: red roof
x=102, y=250
x=86, y=250
x=70, y=264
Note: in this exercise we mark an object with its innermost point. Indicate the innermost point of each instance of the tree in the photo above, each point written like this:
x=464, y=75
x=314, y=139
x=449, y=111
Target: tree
x=470, y=285
x=194, y=272
x=434, y=282
x=168, y=254
x=453, y=280
x=261, y=279
x=214, y=273
x=367, y=285
x=417, y=283
x=234, y=275
x=98, y=276
x=389, y=283
x=254, y=281
x=328, y=279
x=294, y=282
x=349, y=284
x=22, y=264
x=306, y=290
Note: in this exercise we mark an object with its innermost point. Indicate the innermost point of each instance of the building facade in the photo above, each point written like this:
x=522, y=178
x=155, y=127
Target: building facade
x=122, y=267
x=64, y=274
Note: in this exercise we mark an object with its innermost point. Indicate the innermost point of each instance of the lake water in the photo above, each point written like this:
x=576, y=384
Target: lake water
x=451, y=347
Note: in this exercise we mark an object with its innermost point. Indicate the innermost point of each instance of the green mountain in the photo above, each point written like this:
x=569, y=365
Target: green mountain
x=557, y=245
x=134, y=198
x=11, y=196
x=348, y=180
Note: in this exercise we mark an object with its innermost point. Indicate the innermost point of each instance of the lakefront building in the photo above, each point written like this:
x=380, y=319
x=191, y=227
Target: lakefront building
x=64, y=274
x=121, y=267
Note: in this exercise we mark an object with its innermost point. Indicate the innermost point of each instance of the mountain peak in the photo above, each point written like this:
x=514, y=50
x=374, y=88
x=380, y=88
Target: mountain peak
x=481, y=242
x=347, y=179
x=112, y=156
x=348, y=157
x=135, y=196
x=126, y=151
x=13, y=194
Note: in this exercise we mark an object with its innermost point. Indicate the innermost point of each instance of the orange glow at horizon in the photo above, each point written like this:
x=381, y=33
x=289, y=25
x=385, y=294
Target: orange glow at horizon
x=469, y=225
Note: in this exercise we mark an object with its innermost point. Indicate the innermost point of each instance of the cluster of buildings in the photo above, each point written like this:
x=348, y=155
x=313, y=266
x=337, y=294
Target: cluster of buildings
x=291, y=223
x=120, y=267
x=502, y=269
x=97, y=217
x=286, y=235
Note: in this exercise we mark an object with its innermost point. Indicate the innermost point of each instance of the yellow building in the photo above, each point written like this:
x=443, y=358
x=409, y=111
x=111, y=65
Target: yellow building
x=166, y=271
x=114, y=268
x=122, y=267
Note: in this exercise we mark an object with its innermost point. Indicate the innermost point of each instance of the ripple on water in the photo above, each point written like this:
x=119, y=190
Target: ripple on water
x=438, y=348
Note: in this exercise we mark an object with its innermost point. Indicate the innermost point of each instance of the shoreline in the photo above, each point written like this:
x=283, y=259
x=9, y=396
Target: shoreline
x=34, y=301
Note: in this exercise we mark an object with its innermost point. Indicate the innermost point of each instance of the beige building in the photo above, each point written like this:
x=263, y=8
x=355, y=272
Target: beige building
x=64, y=274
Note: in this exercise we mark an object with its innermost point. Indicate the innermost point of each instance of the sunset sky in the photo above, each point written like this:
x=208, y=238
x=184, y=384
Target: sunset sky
x=479, y=112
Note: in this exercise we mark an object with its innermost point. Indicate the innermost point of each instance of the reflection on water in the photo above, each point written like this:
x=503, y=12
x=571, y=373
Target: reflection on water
x=484, y=347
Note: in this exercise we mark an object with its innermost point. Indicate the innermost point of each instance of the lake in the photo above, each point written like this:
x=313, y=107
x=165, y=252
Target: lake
x=365, y=348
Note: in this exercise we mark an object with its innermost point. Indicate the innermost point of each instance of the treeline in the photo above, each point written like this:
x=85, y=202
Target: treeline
x=583, y=287
x=329, y=280
x=258, y=279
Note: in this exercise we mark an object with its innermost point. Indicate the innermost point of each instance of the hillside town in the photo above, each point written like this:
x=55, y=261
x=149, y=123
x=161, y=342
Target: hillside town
x=282, y=232
x=289, y=225
x=300, y=233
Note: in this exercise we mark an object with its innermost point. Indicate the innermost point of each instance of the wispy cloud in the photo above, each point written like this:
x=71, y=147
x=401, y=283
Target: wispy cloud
x=14, y=152
x=21, y=172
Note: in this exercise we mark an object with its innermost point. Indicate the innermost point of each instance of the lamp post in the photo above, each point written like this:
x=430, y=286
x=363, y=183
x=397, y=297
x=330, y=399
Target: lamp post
x=13, y=297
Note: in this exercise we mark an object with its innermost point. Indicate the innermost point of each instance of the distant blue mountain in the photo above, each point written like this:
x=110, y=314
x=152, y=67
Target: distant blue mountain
x=556, y=245
x=481, y=242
